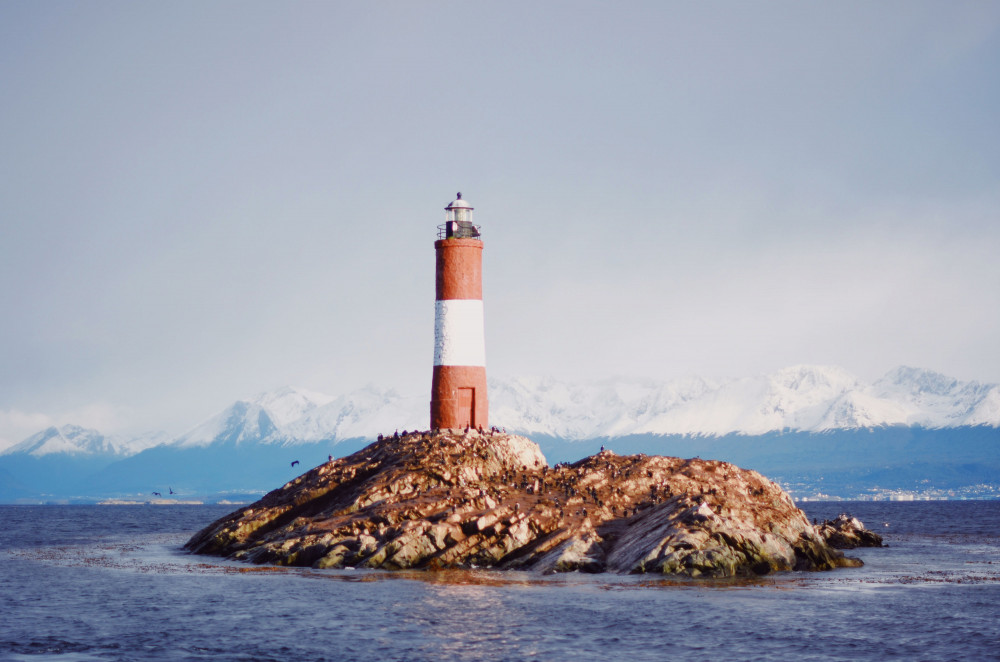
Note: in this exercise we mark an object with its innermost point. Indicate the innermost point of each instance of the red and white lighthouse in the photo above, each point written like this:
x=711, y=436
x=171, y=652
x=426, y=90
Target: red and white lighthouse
x=458, y=389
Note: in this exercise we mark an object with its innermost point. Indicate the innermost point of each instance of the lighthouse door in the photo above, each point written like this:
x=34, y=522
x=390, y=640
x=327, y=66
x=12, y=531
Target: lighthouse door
x=466, y=407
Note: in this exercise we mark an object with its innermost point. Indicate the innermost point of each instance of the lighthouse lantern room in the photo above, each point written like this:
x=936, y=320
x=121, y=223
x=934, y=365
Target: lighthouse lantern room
x=458, y=221
x=458, y=387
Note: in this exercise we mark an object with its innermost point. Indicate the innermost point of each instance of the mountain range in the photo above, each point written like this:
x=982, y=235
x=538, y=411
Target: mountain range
x=250, y=445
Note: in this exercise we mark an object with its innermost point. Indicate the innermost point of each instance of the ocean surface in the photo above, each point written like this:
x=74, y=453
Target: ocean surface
x=82, y=583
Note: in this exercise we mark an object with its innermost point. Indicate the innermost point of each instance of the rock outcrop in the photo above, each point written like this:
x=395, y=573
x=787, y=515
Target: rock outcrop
x=846, y=532
x=450, y=499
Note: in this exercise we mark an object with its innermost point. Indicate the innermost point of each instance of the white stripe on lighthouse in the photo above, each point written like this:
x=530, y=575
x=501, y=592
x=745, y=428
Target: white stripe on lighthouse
x=458, y=332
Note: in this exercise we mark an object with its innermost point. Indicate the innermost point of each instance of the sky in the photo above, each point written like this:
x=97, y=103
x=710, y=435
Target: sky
x=201, y=201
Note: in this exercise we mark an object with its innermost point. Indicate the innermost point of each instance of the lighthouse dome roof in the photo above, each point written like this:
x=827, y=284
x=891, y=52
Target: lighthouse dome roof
x=459, y=203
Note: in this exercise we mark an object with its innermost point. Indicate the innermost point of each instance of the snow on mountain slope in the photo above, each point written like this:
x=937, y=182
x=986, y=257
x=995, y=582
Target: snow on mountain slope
x=931, y=399
x=288, y=404
x=987, y=410
x=860, y=409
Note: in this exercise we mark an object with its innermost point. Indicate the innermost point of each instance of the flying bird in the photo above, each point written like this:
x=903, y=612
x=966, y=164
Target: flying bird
x=171, y=490
x=294, y=462
x=157, y=494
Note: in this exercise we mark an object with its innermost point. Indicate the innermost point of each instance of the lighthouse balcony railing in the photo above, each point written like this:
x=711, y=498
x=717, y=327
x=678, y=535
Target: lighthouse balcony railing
x=458, y=230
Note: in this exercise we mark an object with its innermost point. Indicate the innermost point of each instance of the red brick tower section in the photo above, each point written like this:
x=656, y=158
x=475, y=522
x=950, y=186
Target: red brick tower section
x=458, y=388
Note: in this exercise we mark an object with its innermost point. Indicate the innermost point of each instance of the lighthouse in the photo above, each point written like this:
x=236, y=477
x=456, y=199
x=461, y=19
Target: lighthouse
x=458, y=387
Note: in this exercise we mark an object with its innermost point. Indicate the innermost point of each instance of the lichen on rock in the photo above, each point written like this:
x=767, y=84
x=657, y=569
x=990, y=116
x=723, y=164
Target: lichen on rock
x=451, y=499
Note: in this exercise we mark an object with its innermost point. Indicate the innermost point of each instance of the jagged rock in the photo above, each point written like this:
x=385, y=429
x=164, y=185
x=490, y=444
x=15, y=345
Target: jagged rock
x=450, y=499
x=846, y=532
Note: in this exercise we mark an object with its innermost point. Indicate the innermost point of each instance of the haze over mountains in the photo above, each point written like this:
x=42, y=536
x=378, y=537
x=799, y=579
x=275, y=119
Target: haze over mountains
x=247, y=445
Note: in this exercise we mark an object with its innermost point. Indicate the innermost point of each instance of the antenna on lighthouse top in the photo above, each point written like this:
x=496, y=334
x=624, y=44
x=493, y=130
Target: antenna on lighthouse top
x=458, y=221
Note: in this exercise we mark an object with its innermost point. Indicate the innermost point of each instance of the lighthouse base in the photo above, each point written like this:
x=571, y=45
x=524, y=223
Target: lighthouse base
x=458, y=397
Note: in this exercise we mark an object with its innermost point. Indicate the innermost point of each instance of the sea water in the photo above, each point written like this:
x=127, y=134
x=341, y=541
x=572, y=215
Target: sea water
x=82, y=583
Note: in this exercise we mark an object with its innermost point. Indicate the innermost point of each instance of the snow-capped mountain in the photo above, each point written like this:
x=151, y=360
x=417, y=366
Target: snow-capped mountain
x=73, y=440
x=259, y=419
x=799, y=398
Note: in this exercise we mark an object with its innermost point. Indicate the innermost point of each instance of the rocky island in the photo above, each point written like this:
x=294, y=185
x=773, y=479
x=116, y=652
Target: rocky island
x=463, y=499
